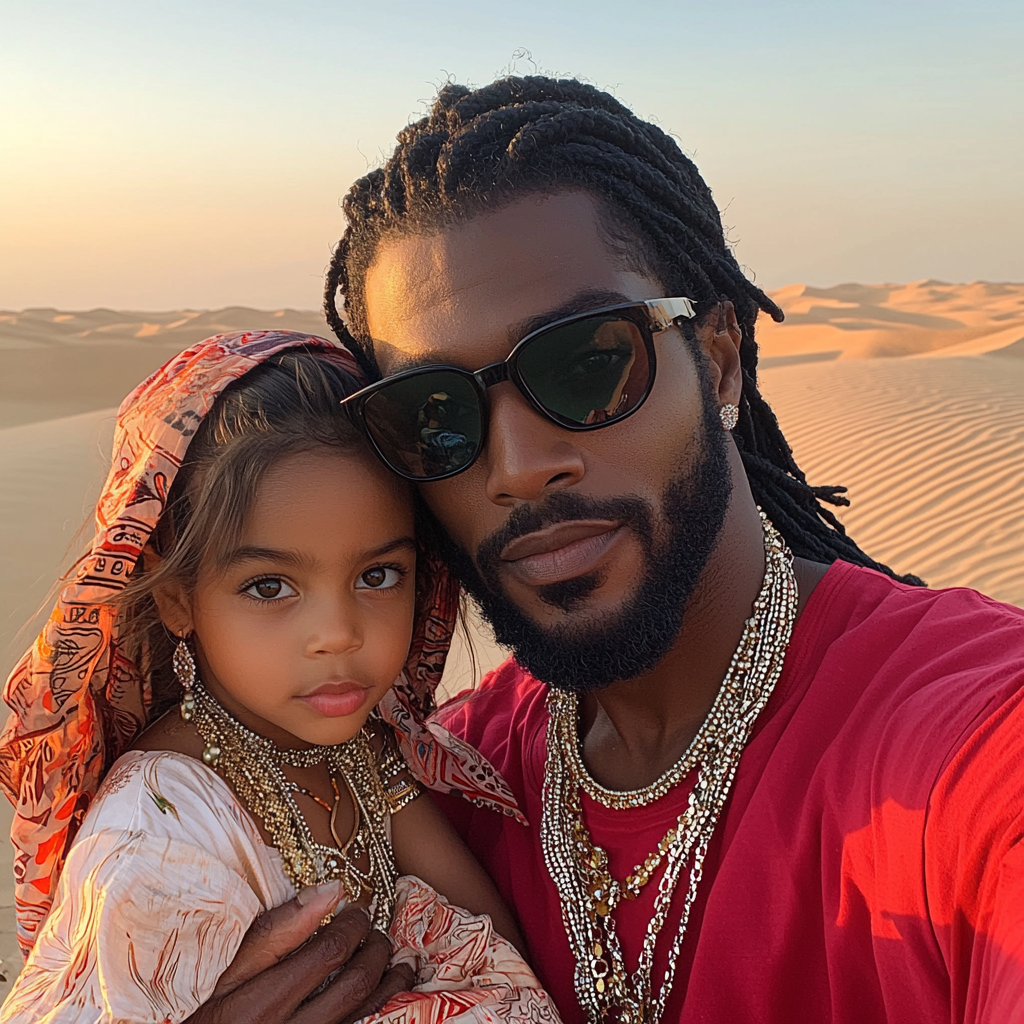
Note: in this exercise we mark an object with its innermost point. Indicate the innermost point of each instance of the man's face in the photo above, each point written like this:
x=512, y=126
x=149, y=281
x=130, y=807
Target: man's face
x=565, y=538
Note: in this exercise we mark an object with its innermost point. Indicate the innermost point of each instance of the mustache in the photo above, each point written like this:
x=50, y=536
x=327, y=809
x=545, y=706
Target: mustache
x=565, y=507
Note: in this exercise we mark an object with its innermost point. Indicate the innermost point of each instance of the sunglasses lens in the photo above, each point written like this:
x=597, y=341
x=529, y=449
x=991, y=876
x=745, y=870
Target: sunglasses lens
x=588, y=372
x=426, y=426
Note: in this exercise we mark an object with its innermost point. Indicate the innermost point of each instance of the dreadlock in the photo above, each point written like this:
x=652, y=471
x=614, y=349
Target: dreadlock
x=517, y=136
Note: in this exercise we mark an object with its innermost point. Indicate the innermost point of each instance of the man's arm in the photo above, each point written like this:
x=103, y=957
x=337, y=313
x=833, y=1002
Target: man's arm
x=281, y=962
x=974, y=862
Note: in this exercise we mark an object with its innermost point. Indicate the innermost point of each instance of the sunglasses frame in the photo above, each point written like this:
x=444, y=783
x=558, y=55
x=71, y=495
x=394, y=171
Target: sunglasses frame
x=651, y=316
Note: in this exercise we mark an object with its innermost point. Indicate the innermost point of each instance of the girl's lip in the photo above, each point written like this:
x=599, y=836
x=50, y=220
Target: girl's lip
x=336, y=700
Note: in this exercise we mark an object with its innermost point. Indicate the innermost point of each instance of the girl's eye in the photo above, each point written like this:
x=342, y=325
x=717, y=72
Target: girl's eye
x=380, y=577
x=270, y=588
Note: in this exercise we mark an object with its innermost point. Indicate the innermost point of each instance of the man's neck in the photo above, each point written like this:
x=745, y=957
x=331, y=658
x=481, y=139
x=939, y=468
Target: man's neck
x=633, y=731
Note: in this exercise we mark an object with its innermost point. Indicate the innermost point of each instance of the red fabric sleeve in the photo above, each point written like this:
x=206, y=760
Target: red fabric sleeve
x=974, y=869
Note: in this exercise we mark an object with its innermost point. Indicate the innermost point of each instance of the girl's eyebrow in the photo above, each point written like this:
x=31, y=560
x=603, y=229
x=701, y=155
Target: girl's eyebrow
x=252, y=553
x=391, y=545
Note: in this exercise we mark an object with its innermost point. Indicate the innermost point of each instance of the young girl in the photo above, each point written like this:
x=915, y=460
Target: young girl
x=253, y=592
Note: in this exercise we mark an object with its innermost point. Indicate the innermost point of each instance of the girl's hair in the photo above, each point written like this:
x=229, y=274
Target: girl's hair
x=286, y=405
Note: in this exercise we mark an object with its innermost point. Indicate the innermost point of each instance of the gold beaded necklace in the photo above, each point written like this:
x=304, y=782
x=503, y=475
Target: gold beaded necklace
x=254, y=766
x=579, y=867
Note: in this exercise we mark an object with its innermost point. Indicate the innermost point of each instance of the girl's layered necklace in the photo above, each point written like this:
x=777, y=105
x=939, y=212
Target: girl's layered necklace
x=579, y=867
x=254, y=766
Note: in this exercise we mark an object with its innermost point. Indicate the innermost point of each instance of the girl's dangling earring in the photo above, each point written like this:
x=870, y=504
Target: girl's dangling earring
x=185, y=670
x=729, y=414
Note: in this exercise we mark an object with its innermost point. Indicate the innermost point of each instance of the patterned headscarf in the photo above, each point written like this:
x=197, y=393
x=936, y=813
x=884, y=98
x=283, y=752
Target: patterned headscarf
x=77, y=701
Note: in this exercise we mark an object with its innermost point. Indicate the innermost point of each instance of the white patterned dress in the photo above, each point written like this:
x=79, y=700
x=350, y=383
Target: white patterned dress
x=165, y=877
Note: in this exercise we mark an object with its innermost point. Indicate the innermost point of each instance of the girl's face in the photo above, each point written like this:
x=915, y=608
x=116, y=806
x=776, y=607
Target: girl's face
x=310, y=622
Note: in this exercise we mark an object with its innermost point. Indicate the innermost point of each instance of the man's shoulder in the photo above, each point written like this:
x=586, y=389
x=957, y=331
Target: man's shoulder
x=882, y=619
x=920, y=669
x=508, y=706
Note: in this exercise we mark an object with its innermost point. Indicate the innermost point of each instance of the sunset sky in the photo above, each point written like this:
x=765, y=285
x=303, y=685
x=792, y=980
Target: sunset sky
x=165, y=155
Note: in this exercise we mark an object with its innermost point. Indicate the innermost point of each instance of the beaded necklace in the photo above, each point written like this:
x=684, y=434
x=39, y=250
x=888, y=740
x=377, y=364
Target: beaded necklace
x=579, y=867
x=254, y=766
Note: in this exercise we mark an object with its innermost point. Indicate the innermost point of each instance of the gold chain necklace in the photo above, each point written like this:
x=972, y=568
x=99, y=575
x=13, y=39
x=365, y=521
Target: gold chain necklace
x=254, y=766
x=579, y=867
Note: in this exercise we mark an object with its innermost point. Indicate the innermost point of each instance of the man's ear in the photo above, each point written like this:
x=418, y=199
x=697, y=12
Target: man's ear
x=720, y=337
x=171, y=601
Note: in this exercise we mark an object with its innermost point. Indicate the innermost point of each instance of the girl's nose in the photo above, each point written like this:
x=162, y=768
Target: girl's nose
x=336, y=629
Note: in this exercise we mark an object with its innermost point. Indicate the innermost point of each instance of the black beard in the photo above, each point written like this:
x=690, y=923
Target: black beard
x=580, y=658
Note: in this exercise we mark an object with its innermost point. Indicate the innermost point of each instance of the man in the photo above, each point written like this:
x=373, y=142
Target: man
x=832, y=834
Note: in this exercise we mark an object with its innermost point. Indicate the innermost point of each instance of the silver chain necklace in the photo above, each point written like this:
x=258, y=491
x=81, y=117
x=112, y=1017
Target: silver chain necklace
x=579, y=867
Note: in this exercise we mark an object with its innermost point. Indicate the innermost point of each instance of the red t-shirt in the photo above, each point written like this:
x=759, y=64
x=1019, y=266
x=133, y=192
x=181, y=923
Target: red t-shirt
x=869, y=866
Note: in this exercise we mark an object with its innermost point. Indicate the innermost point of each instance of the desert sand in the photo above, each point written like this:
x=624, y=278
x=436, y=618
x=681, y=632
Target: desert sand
x=54, y=364
x=884, y=321
x=911, y=395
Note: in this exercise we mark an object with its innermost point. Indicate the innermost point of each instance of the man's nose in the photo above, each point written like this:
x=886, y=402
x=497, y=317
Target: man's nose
x=526, y=456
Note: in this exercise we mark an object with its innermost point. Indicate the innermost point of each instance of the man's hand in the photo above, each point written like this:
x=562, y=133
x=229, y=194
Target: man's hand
x=276, y=968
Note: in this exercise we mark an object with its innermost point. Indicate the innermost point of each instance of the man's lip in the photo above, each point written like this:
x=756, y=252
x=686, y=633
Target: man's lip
x=574, y=553
x=558, y=535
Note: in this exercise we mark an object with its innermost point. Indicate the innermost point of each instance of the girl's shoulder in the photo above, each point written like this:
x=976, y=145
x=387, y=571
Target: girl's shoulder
x=169, y=794
x=155, y=801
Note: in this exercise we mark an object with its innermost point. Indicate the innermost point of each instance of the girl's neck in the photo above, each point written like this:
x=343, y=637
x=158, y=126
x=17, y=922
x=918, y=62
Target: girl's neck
x=280, y=737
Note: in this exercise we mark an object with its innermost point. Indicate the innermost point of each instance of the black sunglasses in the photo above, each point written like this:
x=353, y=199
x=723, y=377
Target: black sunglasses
x=583, y=373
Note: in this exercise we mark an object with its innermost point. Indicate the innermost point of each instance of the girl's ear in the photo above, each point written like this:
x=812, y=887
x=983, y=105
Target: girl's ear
x=171, y=600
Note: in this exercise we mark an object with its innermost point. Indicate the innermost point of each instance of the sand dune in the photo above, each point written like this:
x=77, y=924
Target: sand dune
x=857, y=321
x=45, y=328
x=911, y=395
x=932, y=451
x=55, y=364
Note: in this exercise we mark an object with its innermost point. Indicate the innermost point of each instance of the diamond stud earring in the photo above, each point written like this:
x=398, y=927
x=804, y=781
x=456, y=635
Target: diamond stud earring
x=729, y=414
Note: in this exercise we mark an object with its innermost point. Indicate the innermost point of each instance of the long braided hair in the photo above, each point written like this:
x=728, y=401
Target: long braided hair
x=523, y=135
